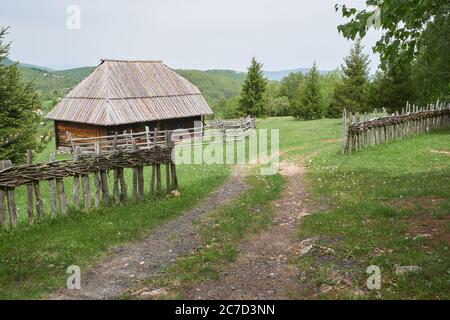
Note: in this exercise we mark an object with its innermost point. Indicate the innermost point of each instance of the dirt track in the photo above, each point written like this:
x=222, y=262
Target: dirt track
x=265, y=268
x=145, y=258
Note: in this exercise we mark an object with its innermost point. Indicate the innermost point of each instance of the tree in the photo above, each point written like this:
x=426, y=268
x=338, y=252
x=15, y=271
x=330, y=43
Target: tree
x=227, y=108
x=392, y=89
x=277, y=106
x=328, y=83
x=251, y=101
x=290, y=85
x=431, y=69
x=353, y=91
x=402, y=24
x=308, y=104
x=19, y=105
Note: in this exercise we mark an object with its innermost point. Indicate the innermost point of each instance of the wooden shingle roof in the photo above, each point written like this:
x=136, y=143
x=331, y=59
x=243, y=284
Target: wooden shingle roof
x=121, y=92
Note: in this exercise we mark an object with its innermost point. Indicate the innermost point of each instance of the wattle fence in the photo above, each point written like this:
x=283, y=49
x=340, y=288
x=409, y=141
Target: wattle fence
x=94, y=158
x=373, y=129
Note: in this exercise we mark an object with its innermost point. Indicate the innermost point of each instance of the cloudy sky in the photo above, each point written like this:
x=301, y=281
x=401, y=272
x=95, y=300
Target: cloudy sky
x=200, y=34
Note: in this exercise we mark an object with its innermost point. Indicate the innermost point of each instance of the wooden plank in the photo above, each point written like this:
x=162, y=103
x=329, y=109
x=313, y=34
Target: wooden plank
x=344, y=130
x=76, y=182
x=10, y=198
x=98, y=189
x=116, y=193
x=62, y=195
x=105, y=189
x=135, y=175
x=97, y=181
x=123, y=186
x=39, y=203
x=30, y=191
x=52, y=189
x=158, y=178
x=10, y=195
x=86, y=192
x=174, y=176
x=2, y=198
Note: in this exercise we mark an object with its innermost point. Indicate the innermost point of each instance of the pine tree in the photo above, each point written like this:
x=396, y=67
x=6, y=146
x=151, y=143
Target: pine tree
x=251, y=101
x=308, y=103
x=19, y=104
x=352, y=93
x=393, y=88
x=289, y=87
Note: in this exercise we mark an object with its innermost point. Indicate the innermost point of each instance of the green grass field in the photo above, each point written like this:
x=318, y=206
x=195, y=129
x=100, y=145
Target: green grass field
x=369, y=207
x=388, y=205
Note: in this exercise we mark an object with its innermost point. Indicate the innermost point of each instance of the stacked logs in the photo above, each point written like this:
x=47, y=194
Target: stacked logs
x=80, y=168
x=395, y=127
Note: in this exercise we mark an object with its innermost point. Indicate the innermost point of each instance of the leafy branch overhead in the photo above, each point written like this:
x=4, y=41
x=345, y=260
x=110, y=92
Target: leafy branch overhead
x=403, y=23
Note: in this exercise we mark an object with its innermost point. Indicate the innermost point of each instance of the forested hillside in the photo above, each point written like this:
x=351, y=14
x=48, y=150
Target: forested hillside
x=216, y=85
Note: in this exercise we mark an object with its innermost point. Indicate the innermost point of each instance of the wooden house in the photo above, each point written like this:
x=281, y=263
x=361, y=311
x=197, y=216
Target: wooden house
x=128, y=95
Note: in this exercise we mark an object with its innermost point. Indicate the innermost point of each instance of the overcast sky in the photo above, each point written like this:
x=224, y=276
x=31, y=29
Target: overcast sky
x=197, y=34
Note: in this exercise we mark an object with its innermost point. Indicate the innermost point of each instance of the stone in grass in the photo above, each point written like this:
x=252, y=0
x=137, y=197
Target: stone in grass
x=154, y=293
x=306, y=245
x=175, y=193
x=325, y=288
x=358, y=293
x=407, y=269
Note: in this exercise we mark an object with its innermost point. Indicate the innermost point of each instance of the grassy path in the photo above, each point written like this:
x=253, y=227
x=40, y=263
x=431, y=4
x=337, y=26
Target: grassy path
x=386, y=206
x=146, y=257
x=34, y=259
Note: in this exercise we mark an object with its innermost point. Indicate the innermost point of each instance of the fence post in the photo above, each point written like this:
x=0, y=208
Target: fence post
x=344, y=126
x=116, y=172
x=97, y=182
x=30, y=191
x=76, y=182
x=62, y=195
x=3, y=194
x=10, y=197
x=168, y=145
x=103, y=181
x=153, y=168
x=121, y=176
x=52, y=189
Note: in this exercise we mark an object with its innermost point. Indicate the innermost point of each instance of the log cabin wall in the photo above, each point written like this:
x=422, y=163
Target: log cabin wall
x=78, y=130
x=82, y=130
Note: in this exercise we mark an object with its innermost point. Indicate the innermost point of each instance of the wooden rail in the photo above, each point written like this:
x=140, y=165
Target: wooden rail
x=224, y=130
x=372, y=129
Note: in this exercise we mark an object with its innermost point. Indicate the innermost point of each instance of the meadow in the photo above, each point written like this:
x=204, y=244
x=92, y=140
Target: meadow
x=387, y=205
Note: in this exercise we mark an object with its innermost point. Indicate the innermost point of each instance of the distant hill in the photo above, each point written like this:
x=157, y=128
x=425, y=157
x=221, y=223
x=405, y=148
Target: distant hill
x=8, y=62
x=50, y=82
x=280, y=74
x=216, y=85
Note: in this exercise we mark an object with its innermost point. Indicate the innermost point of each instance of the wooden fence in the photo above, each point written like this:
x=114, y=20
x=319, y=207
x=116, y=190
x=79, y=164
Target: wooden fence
x=223, y=130
x=80, y=168
x=372, y=129
x=96, y=157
